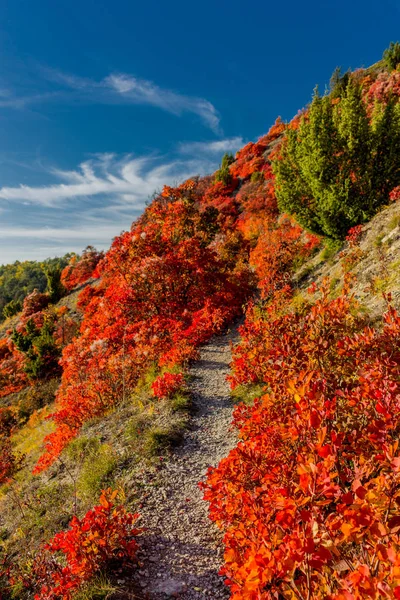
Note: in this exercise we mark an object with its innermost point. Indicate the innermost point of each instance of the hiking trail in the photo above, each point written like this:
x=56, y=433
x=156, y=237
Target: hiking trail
x=181, y=550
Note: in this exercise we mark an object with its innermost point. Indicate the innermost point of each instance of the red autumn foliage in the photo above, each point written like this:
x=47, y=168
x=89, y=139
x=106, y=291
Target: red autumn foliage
x=167, y=385
x=295, y=122
x=278, y=246
x=383, y=87
x=163, y=291
x=258, y=198
x=35, y=302
x=221, y=198
x=183, y=191
x=354, y=235
x=250, y=158
x=79, y=270
x=103, y=539
x=12, y=374
x=309, y=498
x=395, y=194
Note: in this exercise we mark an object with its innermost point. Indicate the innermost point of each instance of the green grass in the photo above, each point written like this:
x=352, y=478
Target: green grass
x=305, y=271
x=331, y=248
x=165, y=435
x=257, y=176
x=99, y=588
x=394, y=222
x=136, y=426
x=29, y=439
x=97, y=472
x=156, y=425
x=17, y=591
x=395, y=265
x=109, y=451
x=50, y=508
x=375, y=68
x=144, y=383
x=379, y=285
x=82, y=447
x=334, y=282
x=247, y=393
x=158, y=440
x=298, y=262
x=378, y=240
x=299, y=302
x=95, y=464
x=180, y=402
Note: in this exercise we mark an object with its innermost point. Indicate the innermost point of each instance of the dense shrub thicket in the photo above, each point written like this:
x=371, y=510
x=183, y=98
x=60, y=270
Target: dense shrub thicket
x=309, y=498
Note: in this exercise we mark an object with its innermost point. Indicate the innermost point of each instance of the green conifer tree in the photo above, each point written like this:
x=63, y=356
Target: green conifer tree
x=338, y=168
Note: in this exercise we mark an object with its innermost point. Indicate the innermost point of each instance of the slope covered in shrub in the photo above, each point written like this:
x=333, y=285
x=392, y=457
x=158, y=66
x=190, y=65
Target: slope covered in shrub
x=309, y=498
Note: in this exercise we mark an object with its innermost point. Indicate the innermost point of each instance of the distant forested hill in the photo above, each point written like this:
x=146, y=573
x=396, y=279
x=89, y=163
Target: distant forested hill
x=21, y=278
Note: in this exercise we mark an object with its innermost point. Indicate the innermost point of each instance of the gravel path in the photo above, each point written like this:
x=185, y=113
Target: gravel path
x=181, y=550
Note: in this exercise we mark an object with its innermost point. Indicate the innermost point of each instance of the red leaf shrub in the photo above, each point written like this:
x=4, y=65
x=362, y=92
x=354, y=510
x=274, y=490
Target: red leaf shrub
x=34, y=303
x=12, y=374
x=395, y=194
x=258, y=197
x=79, y=270
x=309, y=499
x=163, y=291
x=167, y=385
x=278, y=246
x=105, y=535
x=354, y=235
x=385, y=85
x=250, y=159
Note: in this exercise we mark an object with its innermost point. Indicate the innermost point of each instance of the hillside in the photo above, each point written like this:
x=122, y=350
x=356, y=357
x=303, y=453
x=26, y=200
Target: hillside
x=20, y=279
x=113, y=400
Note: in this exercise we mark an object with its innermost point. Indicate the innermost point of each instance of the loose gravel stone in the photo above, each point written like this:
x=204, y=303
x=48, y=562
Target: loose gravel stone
x=184, y=546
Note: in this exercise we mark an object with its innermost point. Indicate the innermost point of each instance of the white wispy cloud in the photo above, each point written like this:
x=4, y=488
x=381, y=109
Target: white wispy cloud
x=124, y=88
x=95, y=201
x=216, y=147
x=20, y=102
x=120, y=180
x=145, y=92
x=56, y=233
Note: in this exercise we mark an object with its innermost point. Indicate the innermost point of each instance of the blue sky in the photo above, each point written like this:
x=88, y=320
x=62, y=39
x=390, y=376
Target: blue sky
x=102, y=102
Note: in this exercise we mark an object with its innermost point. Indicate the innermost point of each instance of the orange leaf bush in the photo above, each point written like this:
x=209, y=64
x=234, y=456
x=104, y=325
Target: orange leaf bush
x=12, y=375
x=104, y=538
x=163, y=291
x=79, y=270
x=167, y=384
x=309, y=499
x=250, y=158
